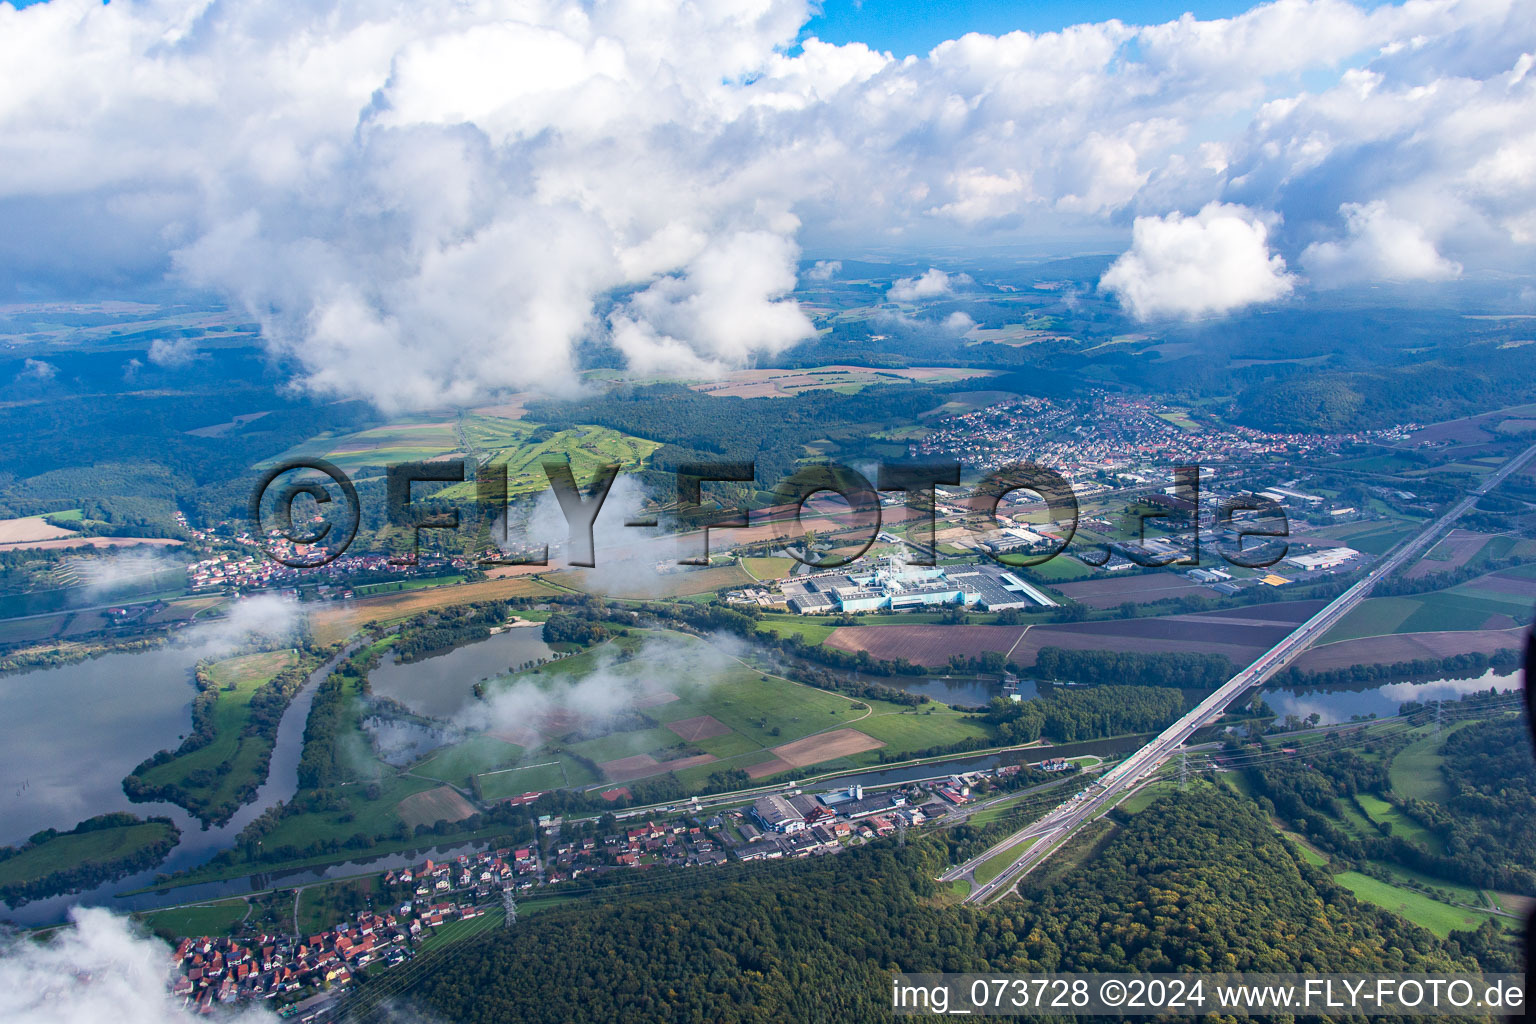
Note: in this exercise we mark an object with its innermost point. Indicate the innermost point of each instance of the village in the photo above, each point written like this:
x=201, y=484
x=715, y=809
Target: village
x=307, y=974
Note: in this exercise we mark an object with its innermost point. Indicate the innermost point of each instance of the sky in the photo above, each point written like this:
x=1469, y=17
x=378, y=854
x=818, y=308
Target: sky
x=471, y=192
x=904, y=28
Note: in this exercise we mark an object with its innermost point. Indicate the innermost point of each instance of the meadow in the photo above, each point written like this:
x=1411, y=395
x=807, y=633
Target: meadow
x=732, y=714
x=72, y=851
x=212, y=776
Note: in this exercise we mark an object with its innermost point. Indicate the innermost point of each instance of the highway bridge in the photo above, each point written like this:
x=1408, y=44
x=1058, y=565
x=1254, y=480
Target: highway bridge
x=1052, y=831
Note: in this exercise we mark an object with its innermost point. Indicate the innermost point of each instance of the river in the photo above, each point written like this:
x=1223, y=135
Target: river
x=1381, y=699
x=142, y=685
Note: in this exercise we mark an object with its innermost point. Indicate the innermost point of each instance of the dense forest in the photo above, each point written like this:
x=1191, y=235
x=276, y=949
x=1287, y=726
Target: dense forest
x=1196, y=671
x=1195, y=881
x=1492, y=778
x=1069, y=715
x=1482, y=834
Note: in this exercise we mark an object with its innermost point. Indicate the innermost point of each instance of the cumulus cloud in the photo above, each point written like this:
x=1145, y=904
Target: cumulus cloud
x=1378, y=247
x=96, y=969
x=425, y=203
x=930, y=284
x=172, y=353
x=616, y=684
x=267, y=620
x=38, y=369
x=1213, y=262
x=959, y=322
x=824, y=270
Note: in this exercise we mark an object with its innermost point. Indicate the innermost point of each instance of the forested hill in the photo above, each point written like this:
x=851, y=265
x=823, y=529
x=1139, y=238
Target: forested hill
x=1197, y=880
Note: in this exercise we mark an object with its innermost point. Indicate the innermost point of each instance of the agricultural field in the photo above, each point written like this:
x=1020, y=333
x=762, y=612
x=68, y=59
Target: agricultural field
x=1456, y=550
x=428, y=808
x=925, y=644
x=843, y=379
x=731, y=715
x=409, y=440
x=1489, y=602
x=337, y=620
x=1393, y=648
x=1139, y=589
x=31, y=528
x=212, y=776
x=807, y=628
x=768, y=568
x=918, y=728
x=679, y=581
x=1241, y=634
x=522, y=447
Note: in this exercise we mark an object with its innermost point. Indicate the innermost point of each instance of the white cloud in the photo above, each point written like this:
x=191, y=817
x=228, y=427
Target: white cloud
x=824, y=270
x=96, y=969
x=456, y=193
x=612, y=687
x=172, y=353
x=959, y=322
x=1213, y=262
x=38, y=369
x=930, y=284
x=266, y=620
x=1379, y=247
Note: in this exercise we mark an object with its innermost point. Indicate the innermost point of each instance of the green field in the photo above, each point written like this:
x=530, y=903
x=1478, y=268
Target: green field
x=475, y=755
x=931, y=725
x=321, y=907
x=403, y=441
x=359, y=815
x=1139, y=800
x=521, y=446
x=768, y=568
x=528, y=779
x=1466, y=606
x=232, y=759
x=203, y=919
x=808, y=628
x=1375, y=616
x=1439, y=918
x=760, y=710
x=1305, y=849
x=70, y=851
x=1415, y=770
x=1376, y=538
x=1380, y=811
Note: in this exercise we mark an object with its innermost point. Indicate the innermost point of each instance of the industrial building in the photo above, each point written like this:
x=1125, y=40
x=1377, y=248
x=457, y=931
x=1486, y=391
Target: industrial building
x=898, y=585
x=1331, y=558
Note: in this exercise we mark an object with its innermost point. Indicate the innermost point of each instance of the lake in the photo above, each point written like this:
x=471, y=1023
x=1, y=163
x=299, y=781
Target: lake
x=438, y=686
x=73, y=732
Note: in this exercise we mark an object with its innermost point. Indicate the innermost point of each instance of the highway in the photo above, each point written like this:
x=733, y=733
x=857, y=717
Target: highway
x=1052, y=831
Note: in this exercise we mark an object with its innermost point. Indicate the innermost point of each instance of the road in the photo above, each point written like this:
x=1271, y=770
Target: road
x=1052, y=831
